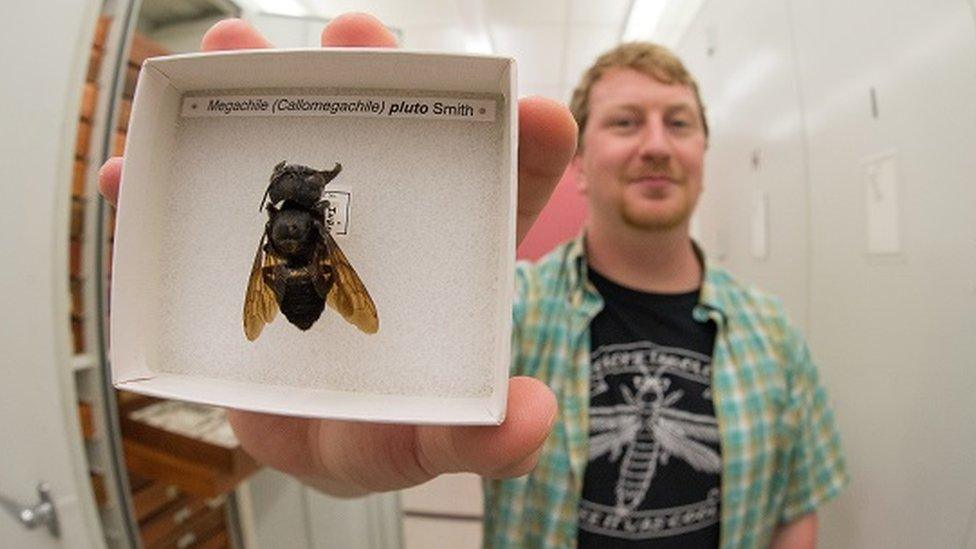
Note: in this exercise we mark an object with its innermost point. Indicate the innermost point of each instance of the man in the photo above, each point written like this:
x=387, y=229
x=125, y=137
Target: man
x=640, y=165
x=690, y=411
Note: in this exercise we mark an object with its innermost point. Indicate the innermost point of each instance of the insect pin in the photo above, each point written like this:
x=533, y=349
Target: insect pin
x=298, y=266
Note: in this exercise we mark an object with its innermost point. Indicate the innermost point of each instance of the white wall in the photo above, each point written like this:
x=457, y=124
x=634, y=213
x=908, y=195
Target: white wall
x=890, y=332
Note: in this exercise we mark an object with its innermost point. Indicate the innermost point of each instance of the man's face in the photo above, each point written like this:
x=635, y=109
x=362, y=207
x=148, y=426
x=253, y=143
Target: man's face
x=643, y=146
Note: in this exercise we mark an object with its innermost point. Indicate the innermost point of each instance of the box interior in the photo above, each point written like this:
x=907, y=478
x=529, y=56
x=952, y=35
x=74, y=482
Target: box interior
x=430, y=233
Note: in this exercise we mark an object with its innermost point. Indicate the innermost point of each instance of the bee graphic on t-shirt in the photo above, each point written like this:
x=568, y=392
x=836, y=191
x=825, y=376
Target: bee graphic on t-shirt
x=646, y=430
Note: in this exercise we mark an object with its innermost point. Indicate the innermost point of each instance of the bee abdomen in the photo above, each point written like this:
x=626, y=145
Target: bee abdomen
x=301, y=304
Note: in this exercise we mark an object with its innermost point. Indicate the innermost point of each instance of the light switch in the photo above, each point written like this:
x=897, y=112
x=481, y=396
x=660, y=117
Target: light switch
x=883, y=209
x=760, y=224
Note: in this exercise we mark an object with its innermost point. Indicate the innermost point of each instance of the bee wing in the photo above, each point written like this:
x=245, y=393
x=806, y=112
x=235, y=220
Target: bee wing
x=260, y=304
x=614, y=437
x=348, y=295
x=672, y=438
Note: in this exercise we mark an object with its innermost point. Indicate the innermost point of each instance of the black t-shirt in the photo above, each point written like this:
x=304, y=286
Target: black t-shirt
x=653, y=476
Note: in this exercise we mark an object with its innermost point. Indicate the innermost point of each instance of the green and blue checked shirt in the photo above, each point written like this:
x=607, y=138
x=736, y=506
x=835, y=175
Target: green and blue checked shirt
x=781, y=455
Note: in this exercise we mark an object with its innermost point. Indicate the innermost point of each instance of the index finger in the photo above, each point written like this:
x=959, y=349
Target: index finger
x=233, y=34
x=357, y=30
x=547, y=142
x=348, y=30
x=229, y=34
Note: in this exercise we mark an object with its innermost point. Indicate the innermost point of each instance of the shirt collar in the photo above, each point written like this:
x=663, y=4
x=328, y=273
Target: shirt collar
x=709, y=298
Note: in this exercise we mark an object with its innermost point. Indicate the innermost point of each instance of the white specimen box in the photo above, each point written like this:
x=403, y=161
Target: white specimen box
x=427, y=144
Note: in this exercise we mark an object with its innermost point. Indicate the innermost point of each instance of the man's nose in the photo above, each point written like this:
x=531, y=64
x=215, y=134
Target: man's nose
x=654, y=143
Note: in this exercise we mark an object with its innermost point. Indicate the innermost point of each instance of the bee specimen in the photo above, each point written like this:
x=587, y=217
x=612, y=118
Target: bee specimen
x=298, y=266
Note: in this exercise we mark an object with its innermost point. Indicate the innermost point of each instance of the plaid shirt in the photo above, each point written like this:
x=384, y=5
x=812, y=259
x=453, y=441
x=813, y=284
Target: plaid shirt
x=781, y=455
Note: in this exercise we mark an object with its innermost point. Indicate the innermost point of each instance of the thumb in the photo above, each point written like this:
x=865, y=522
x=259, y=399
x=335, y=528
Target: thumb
x=507, y=450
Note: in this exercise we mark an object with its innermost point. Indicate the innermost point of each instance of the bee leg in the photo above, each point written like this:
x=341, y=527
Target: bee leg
x=274, y=176
x=265, y=197
x=272, y=213
x=322, y=206
x=322, y=223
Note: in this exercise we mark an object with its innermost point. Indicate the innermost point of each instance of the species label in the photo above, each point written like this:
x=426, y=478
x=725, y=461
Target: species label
x=377, y=106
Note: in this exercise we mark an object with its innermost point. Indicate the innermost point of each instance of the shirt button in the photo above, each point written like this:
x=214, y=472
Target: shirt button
x=700, y=313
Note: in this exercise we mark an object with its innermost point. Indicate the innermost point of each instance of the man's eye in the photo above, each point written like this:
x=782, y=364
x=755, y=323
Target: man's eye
x=679, y=123
x=623, y=123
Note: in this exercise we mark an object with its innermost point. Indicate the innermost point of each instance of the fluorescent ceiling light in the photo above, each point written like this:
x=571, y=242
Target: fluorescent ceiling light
x=643, y=18
x=282, y=7
x=478, y=43
x=474, y=25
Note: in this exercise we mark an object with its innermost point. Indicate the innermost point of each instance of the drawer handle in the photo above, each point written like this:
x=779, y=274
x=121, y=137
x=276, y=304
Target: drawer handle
x=186, y=540
x=180, y=516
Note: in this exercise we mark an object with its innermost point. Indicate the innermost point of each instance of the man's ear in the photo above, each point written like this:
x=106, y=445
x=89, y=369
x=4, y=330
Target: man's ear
x=576, y=167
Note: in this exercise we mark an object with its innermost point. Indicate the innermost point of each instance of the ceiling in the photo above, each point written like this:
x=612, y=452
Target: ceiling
x=553, y=41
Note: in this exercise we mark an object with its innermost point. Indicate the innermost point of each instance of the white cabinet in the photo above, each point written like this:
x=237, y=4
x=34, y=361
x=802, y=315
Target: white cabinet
x=445, y=512
x=823, y=89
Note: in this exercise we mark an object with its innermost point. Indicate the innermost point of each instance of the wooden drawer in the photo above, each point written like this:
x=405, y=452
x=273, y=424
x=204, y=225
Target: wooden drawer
x=169, y=520
x=118, y=143
x=88, y=99
x=86, y=420
x=77, y=284
x=78, y=333
x=94, y=64
x=219, y=540
x=77, y=227
x=82, y=139
x=183, y=524
x=101, y=31
x=153, y=498
x=74, y=257
x=131, y=76
x=78, y=178
x=125, y=111
x=98, y=489
x=137, y=482
x=194, y=464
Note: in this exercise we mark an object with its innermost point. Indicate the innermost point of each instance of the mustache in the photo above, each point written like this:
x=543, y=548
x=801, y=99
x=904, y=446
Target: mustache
x=659, y=169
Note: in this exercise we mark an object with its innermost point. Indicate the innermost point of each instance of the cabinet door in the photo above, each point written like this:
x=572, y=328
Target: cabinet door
x=888, y=88
x=45, y=48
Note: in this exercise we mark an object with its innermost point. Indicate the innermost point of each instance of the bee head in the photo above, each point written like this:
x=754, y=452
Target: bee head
x=297, y=183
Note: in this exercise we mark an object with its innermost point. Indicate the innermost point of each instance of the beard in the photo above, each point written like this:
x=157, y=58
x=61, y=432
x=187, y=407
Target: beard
x=659, y=209
x=664, y=213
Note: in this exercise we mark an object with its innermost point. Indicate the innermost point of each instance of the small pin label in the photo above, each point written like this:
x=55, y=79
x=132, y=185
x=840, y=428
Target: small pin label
x=337, y=214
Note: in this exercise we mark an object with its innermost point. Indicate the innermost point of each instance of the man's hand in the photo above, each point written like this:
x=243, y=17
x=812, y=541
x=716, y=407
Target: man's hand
x=799, y=534
x=354, y=458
